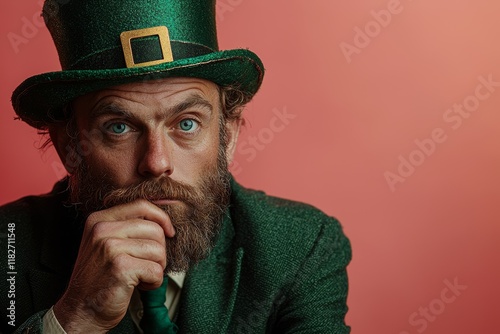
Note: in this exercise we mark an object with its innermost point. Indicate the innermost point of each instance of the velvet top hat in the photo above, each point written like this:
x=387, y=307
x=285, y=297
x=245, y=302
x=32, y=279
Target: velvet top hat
x=105, y=43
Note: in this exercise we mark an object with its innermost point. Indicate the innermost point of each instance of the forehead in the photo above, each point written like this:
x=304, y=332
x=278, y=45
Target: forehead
x=154, y=93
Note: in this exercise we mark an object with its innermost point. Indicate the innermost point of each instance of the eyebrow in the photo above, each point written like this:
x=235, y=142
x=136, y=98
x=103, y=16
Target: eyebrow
x=110, y=108
x=116, y=109
x=193, y=101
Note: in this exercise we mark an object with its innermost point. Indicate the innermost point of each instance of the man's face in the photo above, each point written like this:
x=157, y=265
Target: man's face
x=163, y=141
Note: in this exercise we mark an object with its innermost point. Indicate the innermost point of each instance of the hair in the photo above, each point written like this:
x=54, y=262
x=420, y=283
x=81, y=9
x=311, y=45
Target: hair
x=233, y=101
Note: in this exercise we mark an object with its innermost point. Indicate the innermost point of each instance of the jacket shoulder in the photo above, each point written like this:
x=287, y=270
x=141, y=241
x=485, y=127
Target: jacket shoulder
x=18, y=211
x=277, y=229
x=28, y=213
x=20, y=217
x=255, y=207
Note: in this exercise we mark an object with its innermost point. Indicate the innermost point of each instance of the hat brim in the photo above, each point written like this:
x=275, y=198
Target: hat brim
x=39, y=100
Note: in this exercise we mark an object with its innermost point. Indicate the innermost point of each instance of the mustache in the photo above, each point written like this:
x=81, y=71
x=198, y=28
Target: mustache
x=153, y=190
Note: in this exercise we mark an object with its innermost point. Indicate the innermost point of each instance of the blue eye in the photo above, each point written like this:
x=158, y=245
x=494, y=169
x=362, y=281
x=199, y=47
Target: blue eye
x=188, y=125
x=118, y=128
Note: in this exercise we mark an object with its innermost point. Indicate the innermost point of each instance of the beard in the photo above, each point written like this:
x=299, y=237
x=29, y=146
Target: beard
x=197, y=217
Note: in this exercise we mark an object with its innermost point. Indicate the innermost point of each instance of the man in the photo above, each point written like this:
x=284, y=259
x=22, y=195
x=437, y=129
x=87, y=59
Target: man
x=150, y=229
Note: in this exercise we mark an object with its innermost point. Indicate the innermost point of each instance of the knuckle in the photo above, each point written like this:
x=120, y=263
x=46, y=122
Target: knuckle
x=120, y=260
x=99, y=229
x=93, y=218
x=155, y=270
x=109, y=245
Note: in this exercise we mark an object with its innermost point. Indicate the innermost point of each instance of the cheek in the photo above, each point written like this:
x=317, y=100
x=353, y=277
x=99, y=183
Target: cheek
x=191, y=163
x=113, y=166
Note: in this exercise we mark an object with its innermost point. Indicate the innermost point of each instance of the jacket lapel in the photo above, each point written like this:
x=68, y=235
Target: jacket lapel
x=210, y=289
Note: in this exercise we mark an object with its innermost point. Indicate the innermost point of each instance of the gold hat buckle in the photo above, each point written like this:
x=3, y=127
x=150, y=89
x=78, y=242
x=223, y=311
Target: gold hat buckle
x=161, y=31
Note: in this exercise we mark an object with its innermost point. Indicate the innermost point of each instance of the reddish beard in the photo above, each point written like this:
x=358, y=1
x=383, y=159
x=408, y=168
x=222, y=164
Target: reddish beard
x=196, y=216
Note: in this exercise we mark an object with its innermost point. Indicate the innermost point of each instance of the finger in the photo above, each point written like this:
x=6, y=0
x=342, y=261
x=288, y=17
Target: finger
x=141, y=272
x=140, y=208
x=149, y=286
x=131, y=229
x=143, y=249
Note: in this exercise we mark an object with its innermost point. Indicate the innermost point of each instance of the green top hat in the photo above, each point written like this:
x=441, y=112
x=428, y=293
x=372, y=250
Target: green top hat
x=104, y=43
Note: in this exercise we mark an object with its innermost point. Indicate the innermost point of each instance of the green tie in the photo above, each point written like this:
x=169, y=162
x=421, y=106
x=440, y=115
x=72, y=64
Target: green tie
x=155, y=318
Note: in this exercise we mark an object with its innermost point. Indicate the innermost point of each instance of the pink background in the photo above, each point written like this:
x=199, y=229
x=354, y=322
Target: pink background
x=350, y=119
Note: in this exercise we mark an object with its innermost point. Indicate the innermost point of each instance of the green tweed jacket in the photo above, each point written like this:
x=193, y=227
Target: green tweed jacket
x=277, y=267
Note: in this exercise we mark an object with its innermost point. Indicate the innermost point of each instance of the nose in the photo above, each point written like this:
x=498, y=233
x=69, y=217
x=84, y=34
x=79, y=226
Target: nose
x=156, y=156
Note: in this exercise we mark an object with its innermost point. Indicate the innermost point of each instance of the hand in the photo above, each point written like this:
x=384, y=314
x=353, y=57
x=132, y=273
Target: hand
x=122, y=247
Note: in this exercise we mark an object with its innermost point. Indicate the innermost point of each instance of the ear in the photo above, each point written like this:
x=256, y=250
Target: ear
x=232, y=131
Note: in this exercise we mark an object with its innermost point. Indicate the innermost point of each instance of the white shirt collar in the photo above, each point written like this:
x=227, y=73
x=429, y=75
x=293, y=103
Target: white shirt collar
x=178, y=278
